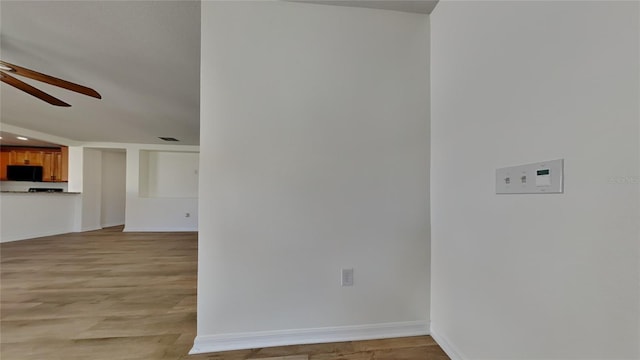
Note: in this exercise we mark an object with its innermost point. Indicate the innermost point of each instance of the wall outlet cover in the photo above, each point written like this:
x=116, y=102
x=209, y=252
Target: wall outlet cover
x=347, y=277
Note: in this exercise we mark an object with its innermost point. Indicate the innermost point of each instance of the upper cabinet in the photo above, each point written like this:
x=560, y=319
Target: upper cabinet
x=5, y=157
x=26, y=157
x=52, y=166
x=54, y=161
x=64, y=168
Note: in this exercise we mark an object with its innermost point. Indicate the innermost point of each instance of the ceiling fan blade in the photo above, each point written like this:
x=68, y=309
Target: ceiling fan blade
x=50, y=80
x=8, y=79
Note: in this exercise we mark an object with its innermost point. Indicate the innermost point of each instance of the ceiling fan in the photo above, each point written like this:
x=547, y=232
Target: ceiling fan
x=6, y=68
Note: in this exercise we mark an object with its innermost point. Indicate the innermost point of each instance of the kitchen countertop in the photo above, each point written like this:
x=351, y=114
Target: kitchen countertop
x=40, y=192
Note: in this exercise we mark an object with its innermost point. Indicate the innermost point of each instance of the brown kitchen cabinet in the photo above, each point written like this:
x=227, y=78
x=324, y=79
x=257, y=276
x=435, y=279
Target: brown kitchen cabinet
x=35, y=157
x=64, y=163
x=52, y=166
x=19, y=157
x=26, y=157
x=5, y=157
x=54, y=161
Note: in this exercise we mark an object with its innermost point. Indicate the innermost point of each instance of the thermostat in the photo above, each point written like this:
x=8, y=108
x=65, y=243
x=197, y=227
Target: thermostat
x=543, y=177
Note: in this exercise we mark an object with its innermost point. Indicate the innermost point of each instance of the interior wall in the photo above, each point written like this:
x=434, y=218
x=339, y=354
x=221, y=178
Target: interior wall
x=113, y=201
x=28, y=216
x=97, y=172
x=171, y=174
x=315, y=155
x=147, y=212
x=91, y=189
x=550, y=276
x=75, y=168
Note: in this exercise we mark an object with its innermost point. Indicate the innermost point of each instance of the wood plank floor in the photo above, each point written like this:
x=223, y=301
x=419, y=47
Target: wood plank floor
x=131, y=296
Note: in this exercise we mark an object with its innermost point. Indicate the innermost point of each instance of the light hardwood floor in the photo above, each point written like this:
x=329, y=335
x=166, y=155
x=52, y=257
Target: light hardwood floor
x=112, y=295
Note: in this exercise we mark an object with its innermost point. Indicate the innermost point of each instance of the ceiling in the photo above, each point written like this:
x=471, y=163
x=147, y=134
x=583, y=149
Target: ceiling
x=10, y=139
x=143, y=57
x=414, y=6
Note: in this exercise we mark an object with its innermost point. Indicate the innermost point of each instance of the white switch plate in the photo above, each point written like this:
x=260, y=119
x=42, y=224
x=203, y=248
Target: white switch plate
x=537, y=178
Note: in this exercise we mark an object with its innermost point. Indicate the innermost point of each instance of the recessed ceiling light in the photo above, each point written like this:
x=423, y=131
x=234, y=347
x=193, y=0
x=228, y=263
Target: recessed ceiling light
x=21, y=138
x=168, y=138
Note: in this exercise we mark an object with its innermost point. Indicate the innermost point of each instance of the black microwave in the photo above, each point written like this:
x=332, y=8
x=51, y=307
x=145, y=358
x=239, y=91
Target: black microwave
x=24, y=173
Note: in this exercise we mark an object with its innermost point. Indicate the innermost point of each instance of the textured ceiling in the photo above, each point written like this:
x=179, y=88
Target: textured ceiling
x=143, y=57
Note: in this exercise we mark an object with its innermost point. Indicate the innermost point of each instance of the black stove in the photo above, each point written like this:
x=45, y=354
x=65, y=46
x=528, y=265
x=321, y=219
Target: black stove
x=49, y=190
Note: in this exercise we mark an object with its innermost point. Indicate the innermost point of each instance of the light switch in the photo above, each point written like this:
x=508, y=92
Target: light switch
x=542, y=177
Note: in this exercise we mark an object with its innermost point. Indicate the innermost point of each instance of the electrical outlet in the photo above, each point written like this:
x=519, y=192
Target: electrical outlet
x=347, y=277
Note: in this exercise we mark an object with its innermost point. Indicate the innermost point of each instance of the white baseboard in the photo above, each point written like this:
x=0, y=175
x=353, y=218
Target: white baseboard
x=90, y=228
x=112, y=224
x=238, y=341
x=29, y=236
x=160, y=229
x=446, y=345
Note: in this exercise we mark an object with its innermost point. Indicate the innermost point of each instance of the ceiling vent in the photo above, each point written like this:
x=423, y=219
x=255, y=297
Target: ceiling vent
x=168, y=138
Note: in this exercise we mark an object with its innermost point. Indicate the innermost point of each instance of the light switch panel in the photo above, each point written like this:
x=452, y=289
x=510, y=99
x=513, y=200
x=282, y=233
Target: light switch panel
x=543, y=177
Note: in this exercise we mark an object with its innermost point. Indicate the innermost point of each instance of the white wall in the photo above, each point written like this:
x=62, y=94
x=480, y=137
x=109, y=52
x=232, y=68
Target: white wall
x=26, y=216
x=535, y=276
x=91, y=189
x=113, y=201
x=315, y=155
x=142, y=213
x=92, y=172
x=153, y=213
x=76, y=162
x=169, y=174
